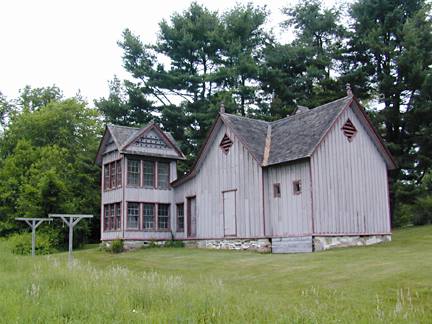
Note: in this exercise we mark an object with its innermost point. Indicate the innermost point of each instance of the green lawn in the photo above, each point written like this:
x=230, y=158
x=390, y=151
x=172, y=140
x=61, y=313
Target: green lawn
x=388, y=283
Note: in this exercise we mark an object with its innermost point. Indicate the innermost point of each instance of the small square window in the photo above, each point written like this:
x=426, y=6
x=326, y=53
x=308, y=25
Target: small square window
x=297, y=188
x=276, y=190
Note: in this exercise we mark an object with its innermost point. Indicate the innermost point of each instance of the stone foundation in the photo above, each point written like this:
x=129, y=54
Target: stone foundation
x=259, y=245
x=330, y=242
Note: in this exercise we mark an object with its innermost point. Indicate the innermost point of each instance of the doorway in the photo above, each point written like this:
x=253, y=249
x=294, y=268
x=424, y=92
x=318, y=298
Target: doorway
x=191, y=217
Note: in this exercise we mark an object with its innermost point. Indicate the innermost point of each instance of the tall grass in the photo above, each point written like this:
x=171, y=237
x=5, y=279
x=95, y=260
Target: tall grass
x=45, y=290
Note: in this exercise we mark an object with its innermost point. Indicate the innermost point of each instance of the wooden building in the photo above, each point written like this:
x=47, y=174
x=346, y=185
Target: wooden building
x=311, y=181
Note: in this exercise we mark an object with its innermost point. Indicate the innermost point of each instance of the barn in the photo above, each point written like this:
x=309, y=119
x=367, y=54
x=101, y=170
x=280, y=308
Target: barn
x=312, y=181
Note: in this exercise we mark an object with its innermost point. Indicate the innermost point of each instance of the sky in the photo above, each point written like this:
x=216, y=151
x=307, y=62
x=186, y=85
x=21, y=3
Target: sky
x=73, y=44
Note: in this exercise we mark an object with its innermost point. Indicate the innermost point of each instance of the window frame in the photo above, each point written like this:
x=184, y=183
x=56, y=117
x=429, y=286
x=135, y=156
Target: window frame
x=153, y=174
x=167, y=216
x=159, y=163
x=180, y=206
x=276, y=190
x=153, y=228
x=297, y=187
x=112, y=217
x=138, y=173
x=137, y=228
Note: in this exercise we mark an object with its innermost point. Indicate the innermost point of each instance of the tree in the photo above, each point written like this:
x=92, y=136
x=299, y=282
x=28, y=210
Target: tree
x=126, y=104
x=391, y=46
x=34, y=98
x=48, y=164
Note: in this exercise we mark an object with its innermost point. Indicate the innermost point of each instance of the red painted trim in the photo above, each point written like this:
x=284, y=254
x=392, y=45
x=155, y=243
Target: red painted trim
x=257, y=237
x=263, y=201
x=375, y=132
x=324, y=135
x=204, y=146
x=388, y=203
x=311, y=196
x=177, y=217
x=351, y=234
x=147, y=129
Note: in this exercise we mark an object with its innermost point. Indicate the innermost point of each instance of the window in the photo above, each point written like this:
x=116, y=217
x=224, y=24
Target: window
x=133, y=172
x=118, y=217
x=349, y=130
x=149, y=174
x=106, y=176
x=119, y=173
x=163, y=216
x=133, y=215
x=163, y=175
x=180, y=217
x=276, y=190
x=113, y=175
x=297, y=187
x=225, y=144
x=149, y=216
x=112, y=217
x=106, y=217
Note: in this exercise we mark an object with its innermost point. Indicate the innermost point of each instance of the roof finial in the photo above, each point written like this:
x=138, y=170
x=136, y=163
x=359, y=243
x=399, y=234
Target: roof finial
x=222, y=108
x=348, y=90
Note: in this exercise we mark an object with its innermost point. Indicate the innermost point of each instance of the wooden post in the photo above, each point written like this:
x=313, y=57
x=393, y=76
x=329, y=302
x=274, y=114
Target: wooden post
x=33, y=223
x=73, y=220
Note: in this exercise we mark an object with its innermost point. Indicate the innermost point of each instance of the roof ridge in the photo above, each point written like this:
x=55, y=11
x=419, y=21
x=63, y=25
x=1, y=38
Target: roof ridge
x=310, y=110
x=122, y=126
x=248, y=118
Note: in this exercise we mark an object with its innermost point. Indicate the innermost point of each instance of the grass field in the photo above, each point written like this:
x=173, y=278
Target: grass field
x=388, y=283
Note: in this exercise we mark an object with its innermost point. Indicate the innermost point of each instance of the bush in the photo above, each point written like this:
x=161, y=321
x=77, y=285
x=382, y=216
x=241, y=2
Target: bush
x=117, y=246
x=21, y=243
x=174, y=244
x=422, y=211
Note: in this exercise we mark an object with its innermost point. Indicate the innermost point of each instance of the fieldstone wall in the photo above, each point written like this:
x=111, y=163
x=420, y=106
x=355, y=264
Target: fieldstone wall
x=329, y=242
x=259, y=245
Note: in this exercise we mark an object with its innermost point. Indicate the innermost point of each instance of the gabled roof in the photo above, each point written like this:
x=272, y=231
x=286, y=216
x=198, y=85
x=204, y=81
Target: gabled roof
x=123, y=136
x=292, y=138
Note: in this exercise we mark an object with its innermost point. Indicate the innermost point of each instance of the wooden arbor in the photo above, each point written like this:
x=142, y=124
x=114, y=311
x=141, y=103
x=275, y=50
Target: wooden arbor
x=33, y=223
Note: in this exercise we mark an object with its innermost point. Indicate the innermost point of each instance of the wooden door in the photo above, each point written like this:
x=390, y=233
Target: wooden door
x=229, y=213
x=191, y=217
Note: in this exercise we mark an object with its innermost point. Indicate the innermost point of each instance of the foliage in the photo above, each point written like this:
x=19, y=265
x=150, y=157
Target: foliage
x=21, y=243
x=174, y=244
x=117, y=246
x=388, y=283
x=422, y=211
x=48, y=165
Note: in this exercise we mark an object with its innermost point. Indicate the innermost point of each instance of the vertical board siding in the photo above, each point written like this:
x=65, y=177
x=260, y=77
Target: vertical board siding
x=349, y=182
x=220, y=172
x=290, y=214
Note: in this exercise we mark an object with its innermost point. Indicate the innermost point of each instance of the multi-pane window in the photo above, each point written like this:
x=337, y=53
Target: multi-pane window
x=180, y=217
x=133, y=215
x=106, y=217
x=106, y=176
x=118, y=216
x=149, y=175
x=149, y=216
x=112, y=217
x=133, y=172
x=163, y=175
x=119, y=173
x=163, y=216
x=112, y=175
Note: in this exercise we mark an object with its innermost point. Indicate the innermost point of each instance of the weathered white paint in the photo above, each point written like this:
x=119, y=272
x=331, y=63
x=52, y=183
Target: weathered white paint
x=221, y=172
x=229, y=211
x=291, y=213
x=349, y=182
